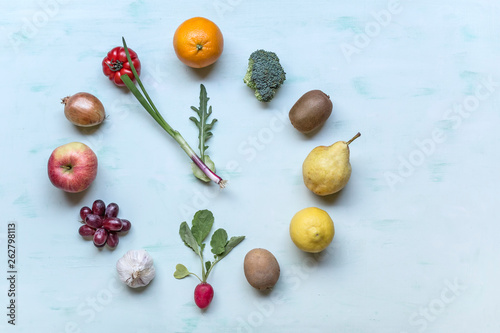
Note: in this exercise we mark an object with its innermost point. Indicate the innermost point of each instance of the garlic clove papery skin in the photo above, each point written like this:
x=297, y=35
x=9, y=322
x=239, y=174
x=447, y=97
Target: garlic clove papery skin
x=136, y=268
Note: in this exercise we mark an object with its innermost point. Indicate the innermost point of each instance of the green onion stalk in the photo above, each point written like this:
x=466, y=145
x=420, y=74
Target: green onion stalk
x=148, y=104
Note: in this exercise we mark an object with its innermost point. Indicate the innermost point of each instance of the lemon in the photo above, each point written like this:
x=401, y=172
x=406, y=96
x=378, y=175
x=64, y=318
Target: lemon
x=312, y=230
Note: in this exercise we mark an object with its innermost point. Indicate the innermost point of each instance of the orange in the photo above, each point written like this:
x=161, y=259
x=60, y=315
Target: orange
x=198, y=42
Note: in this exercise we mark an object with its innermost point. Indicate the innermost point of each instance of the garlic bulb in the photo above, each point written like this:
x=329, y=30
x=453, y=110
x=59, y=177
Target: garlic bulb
x=136, y=268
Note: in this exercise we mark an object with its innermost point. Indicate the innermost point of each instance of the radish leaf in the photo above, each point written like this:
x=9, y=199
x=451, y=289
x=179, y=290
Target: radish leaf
x=203, y=221
x=188, y=237
x=181, y=271
x=235, y=240
x=219, y=241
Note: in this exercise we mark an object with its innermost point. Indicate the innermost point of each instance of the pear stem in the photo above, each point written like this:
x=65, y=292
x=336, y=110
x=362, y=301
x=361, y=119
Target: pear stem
x=354, y=138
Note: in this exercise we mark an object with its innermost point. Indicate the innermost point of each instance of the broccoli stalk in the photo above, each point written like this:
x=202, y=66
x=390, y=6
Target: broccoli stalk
x=264, y=74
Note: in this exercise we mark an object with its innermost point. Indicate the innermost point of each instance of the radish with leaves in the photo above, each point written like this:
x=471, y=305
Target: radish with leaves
x=194, y=238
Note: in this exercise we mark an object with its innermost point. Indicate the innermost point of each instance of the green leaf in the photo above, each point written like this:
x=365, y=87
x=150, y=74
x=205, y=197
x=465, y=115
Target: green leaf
x=219, y=241
x=204, y=133
x=154, y=111
x=235, y=240
x=203, y=221
x=181, y=271
x=202, y=123
x=188, y=238
x=208, y=264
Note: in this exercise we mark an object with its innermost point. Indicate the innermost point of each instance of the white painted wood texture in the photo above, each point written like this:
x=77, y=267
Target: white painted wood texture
x=416, y=246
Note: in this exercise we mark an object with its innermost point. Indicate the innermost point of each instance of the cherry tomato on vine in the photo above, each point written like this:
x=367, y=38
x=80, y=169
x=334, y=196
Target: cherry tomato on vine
x=115, y=64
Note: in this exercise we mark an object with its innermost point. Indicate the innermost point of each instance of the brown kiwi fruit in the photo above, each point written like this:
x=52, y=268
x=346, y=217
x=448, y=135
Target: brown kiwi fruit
x=310, y=111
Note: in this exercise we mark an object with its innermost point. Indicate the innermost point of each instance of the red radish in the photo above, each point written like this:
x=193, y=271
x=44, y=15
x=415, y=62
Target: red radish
x=203, y=294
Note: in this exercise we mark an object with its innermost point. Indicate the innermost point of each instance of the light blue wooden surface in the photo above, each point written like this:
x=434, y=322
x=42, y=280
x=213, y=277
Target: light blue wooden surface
x=416, y=248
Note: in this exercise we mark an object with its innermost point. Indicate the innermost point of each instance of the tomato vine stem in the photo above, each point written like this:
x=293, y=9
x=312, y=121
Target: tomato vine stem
x=115, y=65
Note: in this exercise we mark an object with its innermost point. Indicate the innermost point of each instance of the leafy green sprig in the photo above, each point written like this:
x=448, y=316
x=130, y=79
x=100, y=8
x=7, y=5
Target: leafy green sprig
x=194, y=238
x=204, y=133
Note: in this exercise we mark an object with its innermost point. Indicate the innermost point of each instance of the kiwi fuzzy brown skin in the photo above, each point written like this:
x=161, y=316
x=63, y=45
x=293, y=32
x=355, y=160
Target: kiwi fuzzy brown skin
x=311, y=111
x=261, y=269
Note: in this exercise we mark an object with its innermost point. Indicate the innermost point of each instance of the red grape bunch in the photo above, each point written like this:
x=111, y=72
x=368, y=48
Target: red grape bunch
x=101, y=222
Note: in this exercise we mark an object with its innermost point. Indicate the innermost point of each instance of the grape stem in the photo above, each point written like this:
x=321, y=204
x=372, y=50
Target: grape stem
x=148, y=104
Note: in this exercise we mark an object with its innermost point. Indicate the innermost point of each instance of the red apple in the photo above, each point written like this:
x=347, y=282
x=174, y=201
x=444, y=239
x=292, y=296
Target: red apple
x=72, y=167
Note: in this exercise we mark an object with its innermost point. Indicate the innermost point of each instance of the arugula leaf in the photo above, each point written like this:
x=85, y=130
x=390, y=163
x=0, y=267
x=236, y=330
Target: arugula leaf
x=181, y=271
x=203, y=221
x=188, y=238
x=204, y=129
x=219, y=241
x=235, y=240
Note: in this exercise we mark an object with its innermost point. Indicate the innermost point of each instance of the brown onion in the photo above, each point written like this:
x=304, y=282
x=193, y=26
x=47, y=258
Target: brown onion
x=83, y=109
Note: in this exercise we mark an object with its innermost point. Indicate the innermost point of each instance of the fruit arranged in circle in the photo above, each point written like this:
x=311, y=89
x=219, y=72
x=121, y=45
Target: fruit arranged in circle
x=111, y=210
x=101, y=223
x=100, y=237
x=72, y=167
x=112, y=240
x=126, y=225
x=327, y=169
x=198, y=42
x=311, y=111
x=116, y=64
x=261, y=269
x=99, y=207
x=84, y=212
x=93, y=221
x=112, y=224
x=312, y=229
x=86, y=231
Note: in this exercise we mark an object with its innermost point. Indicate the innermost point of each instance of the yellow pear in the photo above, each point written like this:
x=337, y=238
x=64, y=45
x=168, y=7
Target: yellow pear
x=326, y=170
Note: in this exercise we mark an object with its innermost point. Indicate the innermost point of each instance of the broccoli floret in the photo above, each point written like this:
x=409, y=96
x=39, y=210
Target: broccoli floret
x=265, y=74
